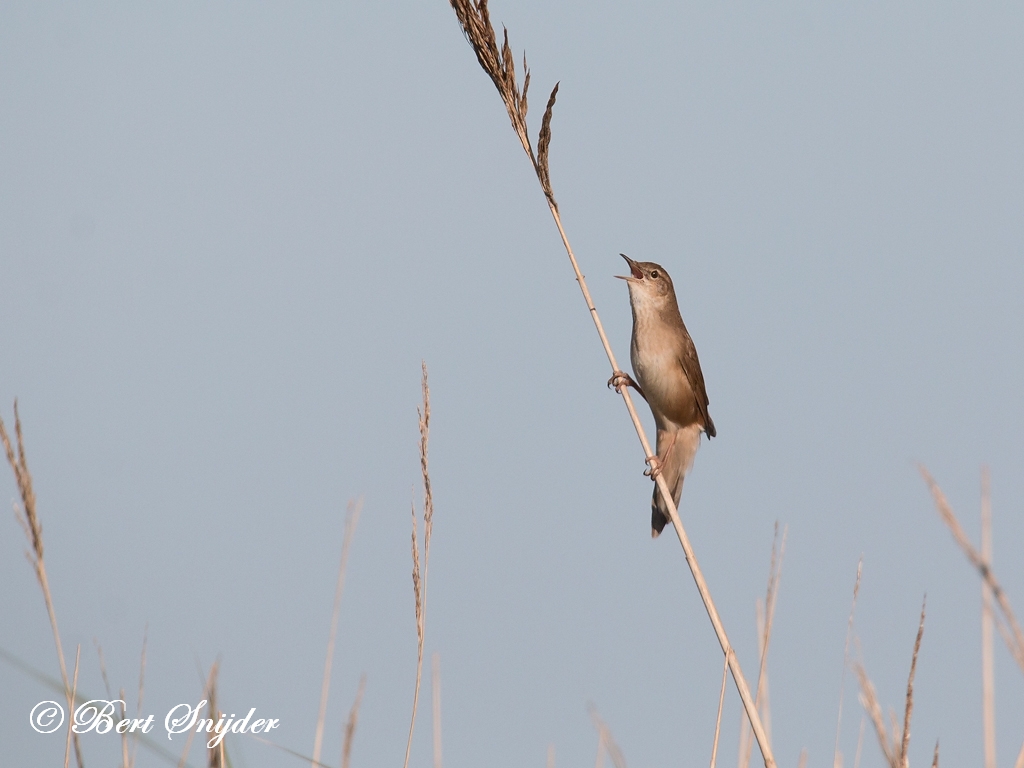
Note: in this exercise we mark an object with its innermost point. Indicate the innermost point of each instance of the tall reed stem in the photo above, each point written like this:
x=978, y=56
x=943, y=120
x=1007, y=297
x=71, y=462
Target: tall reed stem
x=474, y=18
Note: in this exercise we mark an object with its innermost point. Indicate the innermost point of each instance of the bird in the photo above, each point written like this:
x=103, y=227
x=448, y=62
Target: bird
x=669, y=378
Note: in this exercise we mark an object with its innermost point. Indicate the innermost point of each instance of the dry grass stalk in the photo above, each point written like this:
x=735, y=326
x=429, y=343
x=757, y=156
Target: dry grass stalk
x=474, y=18
x=301, y=756
x=350, y=726
x=894, y=745
x=935, y=760
x=551, y=756
x=142, y=689
x=860, y=742
x=1004, y=633
x=71, y=720
x=744, y=747
x=837, y=758
x=419, y=577
x=718, y=718
x=988, y=686
x=1011, y=633
x=215, y=755
x=765, y=616
x=909, y=708
x=761, y=695
x=435, y=690
x=894, y=723
x=1020, y=758
x=208, y=688
x=803, y=759
x=126, y=761
x=124, y=736
x=351, y=520
x=103, y=667
x=869, y=700
x=25, y=513
x=605, y=742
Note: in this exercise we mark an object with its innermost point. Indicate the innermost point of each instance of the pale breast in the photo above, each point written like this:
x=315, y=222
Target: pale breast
x=660, y=374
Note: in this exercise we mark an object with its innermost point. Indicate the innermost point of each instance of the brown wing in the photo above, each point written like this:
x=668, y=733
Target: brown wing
x=691, y=367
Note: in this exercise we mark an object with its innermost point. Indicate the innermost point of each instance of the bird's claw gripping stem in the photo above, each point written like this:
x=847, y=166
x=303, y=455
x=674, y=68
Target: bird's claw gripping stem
x=654, y=467
x=622, y=379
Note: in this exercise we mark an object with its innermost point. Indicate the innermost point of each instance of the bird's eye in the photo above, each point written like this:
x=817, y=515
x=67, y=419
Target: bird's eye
x=654, y=274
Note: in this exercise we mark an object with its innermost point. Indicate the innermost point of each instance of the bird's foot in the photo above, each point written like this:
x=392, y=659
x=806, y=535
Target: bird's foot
x=619, y=380
x=622, y=379
x=654, y=467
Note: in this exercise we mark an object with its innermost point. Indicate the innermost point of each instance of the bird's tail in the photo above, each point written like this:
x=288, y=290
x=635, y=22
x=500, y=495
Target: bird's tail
x=659, y=512
x=674, y=466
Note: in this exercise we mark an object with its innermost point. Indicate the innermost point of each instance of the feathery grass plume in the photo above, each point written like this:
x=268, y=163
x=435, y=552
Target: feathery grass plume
x=895, y=745
x=935, y=760
x=475, y=21
x=543, y=143
x=350, y=726
x=351, y=520
x=605, y=742
x=551, y=756
x=718, y=718
x=837, y=758
x=435, y=690
x=803, y=759
x=25, y=513
x=909, y=709
x=428, y=494
x=988, y=683
x=1020, y=758
x=419, y=576
x=71, y=720
x=1006, y=623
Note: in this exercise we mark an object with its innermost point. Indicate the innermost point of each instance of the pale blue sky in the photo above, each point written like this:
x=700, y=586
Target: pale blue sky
x=229, y=234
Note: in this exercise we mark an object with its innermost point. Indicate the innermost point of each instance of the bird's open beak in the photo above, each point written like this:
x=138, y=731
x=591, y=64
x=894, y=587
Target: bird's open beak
x=635, y=273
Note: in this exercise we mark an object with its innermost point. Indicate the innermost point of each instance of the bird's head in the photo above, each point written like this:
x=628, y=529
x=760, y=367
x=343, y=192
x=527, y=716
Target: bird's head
x=649, y=283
